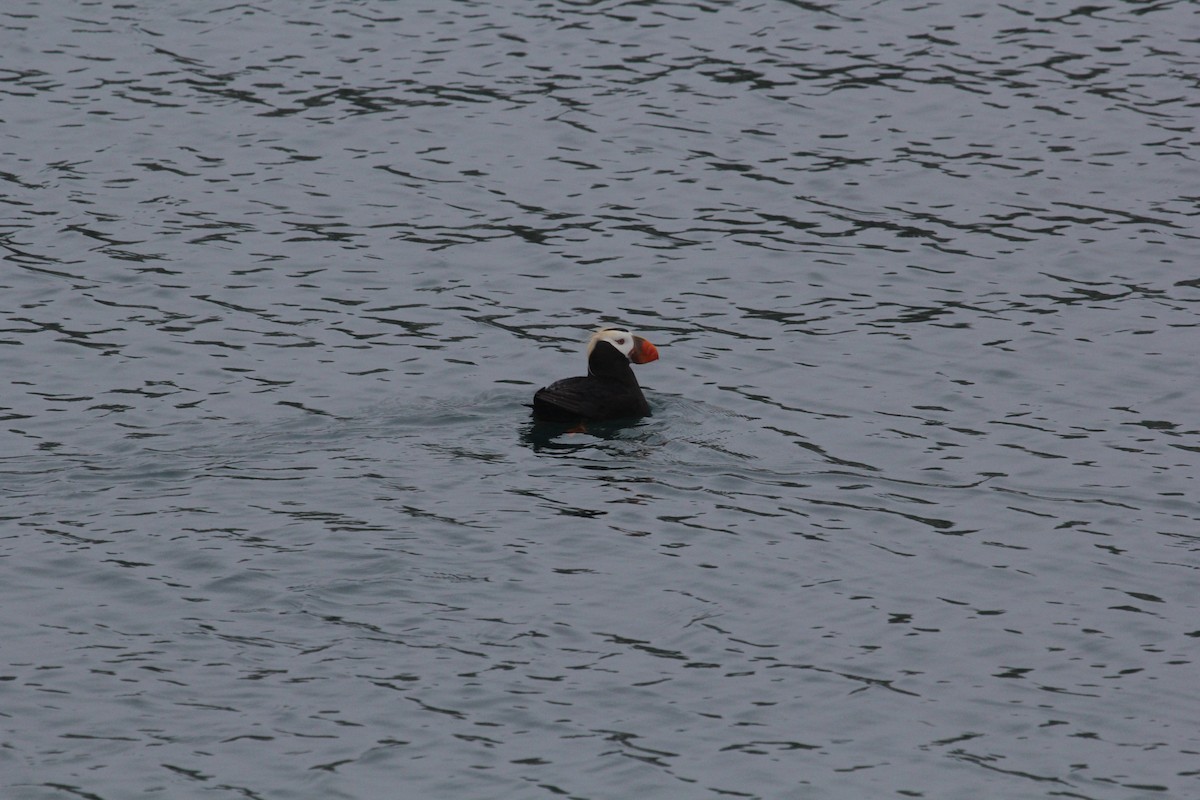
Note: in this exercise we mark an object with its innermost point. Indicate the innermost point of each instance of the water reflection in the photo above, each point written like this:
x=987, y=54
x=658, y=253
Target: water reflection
x=543, y=435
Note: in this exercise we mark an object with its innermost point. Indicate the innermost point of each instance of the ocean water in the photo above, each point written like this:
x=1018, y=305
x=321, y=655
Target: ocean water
x=915, y=514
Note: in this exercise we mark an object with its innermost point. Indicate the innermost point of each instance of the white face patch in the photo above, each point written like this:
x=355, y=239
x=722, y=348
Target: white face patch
x=622, y=340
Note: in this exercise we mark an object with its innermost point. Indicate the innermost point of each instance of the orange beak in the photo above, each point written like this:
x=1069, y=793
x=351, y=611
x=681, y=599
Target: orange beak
x=643, y=352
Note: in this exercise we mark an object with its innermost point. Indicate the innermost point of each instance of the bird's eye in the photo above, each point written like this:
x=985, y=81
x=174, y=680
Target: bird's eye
x=621, y=341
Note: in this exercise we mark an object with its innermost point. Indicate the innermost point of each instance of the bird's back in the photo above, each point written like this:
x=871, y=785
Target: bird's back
x=589, y=398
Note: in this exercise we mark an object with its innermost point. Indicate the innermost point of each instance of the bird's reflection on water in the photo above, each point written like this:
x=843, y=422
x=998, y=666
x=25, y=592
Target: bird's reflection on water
x=548, y=435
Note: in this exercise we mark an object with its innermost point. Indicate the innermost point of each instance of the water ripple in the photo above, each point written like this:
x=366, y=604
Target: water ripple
x=282, y=281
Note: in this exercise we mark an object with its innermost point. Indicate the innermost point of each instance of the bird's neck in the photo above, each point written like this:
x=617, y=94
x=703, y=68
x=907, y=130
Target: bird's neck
x=609, y=363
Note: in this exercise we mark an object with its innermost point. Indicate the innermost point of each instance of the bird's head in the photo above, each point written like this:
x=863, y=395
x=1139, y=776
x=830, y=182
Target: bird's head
x=635, y=348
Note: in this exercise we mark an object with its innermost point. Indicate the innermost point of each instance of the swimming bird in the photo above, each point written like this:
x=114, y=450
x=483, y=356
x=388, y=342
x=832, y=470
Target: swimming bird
x=609, y=390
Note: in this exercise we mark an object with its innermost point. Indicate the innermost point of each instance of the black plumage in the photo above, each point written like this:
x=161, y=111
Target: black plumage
x=609, y=390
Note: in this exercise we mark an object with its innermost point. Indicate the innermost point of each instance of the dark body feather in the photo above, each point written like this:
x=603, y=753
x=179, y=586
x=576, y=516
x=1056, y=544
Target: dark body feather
x=609, y=391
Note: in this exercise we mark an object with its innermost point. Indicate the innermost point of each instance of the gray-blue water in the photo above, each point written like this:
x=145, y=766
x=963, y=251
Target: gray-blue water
x=915, y=515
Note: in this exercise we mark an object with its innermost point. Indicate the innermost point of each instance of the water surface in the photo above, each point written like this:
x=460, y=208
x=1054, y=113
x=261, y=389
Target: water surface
x=915, y=513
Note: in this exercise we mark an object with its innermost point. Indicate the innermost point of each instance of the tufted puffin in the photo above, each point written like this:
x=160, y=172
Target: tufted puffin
x=609, y=391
